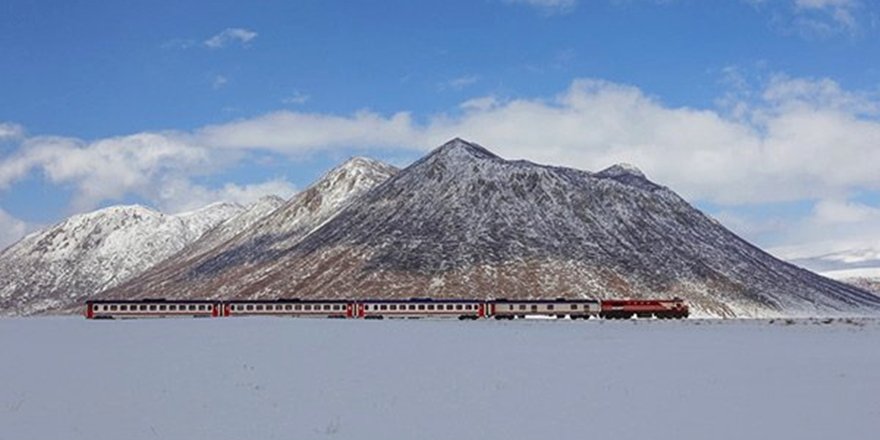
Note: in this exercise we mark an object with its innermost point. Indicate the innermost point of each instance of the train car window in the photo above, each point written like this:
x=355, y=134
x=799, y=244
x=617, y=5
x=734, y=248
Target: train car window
x=123, y=308
x=574, y=306
x=172, y=308
x=430, y=306
x=297, y=307
x=522, y=306
x=113, y=308
x=337, y=307
x=250, y=307
x=307, y=307
x=392, y=307
x=458, y=307
x=549, y=306
x=259, y=307
x=421, y=307
x=326, y=306
x=191, y=307
x=383, y=307
x=162, y=308
x=288, y=307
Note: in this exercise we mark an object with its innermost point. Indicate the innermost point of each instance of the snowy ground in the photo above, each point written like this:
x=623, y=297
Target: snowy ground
x=68, y=378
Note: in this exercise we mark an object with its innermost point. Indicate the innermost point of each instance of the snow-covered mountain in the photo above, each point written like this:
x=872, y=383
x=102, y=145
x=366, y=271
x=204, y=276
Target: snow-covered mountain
x=59, y=266
x=867, y=278
x=218, y=266
x=462, y=222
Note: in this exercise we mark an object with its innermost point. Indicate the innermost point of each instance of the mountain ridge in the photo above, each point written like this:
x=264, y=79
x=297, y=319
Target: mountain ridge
x=463, y=222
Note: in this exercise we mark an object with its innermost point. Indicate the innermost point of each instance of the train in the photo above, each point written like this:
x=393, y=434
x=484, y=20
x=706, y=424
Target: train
x=464, y=309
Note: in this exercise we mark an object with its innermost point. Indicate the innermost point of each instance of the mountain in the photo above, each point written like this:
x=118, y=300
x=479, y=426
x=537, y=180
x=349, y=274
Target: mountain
x=63, y=264
x=463, y=222
x=216, y=266
x=867, y=278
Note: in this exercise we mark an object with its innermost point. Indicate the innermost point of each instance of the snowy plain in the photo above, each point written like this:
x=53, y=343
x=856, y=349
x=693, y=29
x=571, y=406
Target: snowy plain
x=264, y=378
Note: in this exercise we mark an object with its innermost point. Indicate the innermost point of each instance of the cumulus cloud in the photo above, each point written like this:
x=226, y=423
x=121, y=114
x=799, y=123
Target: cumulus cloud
x=792, y=139
x=300, y=132
x=10, y=131
x=836, y=234
x=801, y=139
x=11, y=229
x=179, y=194
x=229, y=36
x=106, y=169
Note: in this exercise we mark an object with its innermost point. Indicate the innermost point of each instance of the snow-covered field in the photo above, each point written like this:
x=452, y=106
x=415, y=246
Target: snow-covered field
x=68, y=378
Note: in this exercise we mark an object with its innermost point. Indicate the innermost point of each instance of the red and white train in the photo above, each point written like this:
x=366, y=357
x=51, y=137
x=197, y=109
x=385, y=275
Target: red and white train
x=392, y=308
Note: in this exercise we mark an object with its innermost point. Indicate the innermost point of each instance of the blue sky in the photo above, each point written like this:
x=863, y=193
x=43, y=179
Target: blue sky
x=762, y=112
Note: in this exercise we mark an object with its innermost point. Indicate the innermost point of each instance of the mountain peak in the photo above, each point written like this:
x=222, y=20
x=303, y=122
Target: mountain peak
x=622, y=169
x=459, y=147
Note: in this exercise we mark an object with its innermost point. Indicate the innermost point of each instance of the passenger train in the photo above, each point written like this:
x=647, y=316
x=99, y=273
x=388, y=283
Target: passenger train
x=674, y=308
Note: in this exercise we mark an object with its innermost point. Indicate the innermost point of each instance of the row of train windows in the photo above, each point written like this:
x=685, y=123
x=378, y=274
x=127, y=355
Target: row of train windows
x=534, y=307
x=152, y=308
x=287, y=307
x=421, y=307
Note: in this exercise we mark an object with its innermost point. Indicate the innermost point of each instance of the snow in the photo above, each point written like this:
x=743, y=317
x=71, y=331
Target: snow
x=297, y=378
x=844, y=274
x=87, y=253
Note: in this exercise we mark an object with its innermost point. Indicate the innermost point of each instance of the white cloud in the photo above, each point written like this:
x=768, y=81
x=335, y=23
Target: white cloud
x=548, y=6
x=461, y=82
x=480, y=104
x=230, y=35
x=802, y=138
x=814, y=18
x=794, y=139
x=297, y=98
x=837, y=233
x=10, y=131
x=181, y=195
x=108, y=169
x=833, y=212
x=219, y=82
x=11, y=229
x=299, y=132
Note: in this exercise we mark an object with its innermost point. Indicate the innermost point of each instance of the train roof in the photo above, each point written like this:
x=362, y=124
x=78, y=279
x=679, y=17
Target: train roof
x=287, y=300
x=544, y=301
x=152, y=301
x=419, y=300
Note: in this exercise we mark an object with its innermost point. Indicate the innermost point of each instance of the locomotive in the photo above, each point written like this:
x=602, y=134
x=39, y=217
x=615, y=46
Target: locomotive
x=674, y=308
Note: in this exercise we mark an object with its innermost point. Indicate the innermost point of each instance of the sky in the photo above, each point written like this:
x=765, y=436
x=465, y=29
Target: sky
x=765, y=114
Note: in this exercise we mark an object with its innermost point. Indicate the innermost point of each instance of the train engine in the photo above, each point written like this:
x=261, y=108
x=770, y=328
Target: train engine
x=674, y=308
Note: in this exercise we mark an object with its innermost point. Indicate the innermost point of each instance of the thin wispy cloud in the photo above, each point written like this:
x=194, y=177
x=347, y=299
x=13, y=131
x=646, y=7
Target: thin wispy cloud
x=219, y=81
x=230, y=36
x=814, y=19
x=548, y=6
x=297, y=98
x=460, y=82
